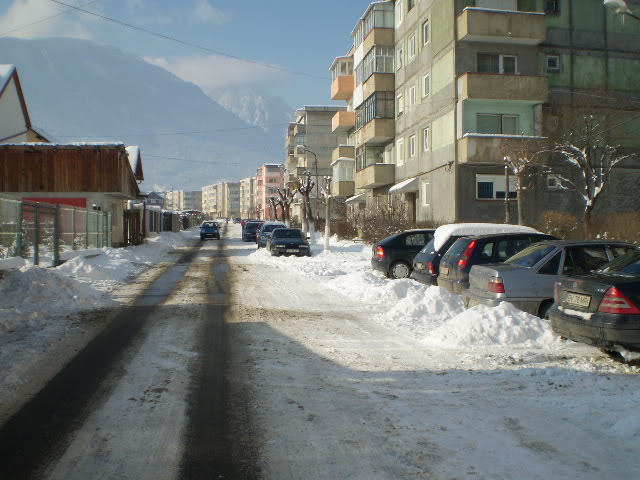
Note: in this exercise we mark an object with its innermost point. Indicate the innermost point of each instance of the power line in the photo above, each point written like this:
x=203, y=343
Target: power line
x=45, y=19
x=192, y=161
x=174, y=133
x=194, y=45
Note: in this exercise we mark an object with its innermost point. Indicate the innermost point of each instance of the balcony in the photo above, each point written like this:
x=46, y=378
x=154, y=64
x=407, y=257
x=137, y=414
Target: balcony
x=343, y=151
x=342, y=87
x=501, y=26
x=376, y=175
x=377, y=132
x=343, y=189
x=379, y=36
x=379, y=82
x=343, y=121
x=483, y=148
x=489, y=86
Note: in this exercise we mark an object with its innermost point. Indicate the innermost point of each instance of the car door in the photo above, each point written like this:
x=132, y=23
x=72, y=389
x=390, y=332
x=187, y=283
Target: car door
x=545, y=277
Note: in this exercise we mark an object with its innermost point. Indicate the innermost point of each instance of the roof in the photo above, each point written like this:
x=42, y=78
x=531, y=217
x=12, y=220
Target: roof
x=62, y=146
x=409, y=185
x=356, y=198
x=135, y=160
x=7, y=72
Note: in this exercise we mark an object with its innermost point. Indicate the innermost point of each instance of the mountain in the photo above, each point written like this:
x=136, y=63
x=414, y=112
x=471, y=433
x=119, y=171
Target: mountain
x=256, y=108
x=79, y=90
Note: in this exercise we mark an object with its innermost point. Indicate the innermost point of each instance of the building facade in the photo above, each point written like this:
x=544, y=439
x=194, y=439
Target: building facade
x=248, y=197
x=183, y=200
x=269, y=178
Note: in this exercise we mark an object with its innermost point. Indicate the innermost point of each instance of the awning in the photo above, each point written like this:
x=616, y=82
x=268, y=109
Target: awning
x=410, y=185
x=356, y=198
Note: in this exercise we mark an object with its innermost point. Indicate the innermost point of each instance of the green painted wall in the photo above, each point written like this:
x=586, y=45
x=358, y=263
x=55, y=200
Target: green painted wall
x=442, y=20
x=589, y=72
x=588, y=16
x=473, y=107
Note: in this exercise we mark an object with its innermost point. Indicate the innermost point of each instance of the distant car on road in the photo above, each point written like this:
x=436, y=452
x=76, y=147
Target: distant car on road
x=209, y=230
x=602, y=308
x=393, y=255
x=527, y=279
x=288, y=241
x=264, y=231
x=249, y=230
x=481, y=250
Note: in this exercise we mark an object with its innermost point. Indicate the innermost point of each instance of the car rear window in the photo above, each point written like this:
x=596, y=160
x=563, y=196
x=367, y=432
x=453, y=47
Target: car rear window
x=626, y=265
x=620, y=250
x=531, y=255
x=286, y=233
x=581, y=260
x=509, y=247
x=457, y=248
x=269, y=228
x=428, y=248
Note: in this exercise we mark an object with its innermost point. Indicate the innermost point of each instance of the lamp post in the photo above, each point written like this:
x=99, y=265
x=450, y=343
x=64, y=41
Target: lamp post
x=303, y=149
x=621, y=7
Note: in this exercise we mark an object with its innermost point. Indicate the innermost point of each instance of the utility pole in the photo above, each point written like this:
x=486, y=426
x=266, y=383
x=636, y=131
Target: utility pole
x=504, y=149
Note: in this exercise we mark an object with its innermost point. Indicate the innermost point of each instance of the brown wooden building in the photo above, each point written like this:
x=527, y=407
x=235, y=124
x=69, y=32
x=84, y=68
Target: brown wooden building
x=90, y=175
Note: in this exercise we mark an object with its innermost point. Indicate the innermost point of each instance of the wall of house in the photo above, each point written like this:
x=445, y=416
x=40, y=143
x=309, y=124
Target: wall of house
x=12, y=121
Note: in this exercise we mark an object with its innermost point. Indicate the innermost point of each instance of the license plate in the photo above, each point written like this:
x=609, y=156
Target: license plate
x=444, y=270
x=292, y=250
x=578, y=300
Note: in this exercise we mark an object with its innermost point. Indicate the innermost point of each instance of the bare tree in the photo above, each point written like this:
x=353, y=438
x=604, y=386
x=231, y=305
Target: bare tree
x=305, y=187
x=586, y=149
x=273, y=205
x=326, y=193
x=286, y=199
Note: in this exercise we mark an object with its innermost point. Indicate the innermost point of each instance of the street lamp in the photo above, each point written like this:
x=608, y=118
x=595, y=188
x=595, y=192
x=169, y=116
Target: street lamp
x=301, y=150
x=621, y=7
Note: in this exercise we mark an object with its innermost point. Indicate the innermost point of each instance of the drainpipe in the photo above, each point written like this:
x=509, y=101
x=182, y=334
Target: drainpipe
x=455, y=169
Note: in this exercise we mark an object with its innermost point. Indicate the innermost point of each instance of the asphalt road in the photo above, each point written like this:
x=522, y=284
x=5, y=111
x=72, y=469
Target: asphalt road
x=148, y=397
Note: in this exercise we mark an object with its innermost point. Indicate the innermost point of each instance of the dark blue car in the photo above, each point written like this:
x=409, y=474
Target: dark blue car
x=209, y=230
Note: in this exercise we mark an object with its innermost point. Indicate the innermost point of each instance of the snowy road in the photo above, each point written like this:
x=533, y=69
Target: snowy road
x=233, y=364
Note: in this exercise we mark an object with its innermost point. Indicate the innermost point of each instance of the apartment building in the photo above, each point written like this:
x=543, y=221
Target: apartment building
x=441, y=89
x=221, y=200
x=210, y=200
x=183, y=200
x=269, y=178
x=230, y=199
x=248, y=197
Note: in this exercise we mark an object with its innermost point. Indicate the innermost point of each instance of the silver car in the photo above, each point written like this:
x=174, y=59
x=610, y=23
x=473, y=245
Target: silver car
x=527, y=279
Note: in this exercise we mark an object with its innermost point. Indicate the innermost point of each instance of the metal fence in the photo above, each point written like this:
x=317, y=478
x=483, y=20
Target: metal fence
x=41, y=232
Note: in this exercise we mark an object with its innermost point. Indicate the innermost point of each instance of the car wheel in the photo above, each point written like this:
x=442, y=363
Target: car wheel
x=400, y=270
x=543, y=311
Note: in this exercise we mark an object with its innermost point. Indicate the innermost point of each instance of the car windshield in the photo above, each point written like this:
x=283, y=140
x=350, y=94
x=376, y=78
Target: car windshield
x=286, y=233
x=530, y=256
x=626, y=265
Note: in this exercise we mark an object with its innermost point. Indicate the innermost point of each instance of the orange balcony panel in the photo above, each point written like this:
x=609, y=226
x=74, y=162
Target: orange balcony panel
x=342, y=87
x=343, y=121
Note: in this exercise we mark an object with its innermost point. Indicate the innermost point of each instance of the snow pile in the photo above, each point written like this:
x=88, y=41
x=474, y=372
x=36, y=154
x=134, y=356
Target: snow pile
x=33, y=294
x=501, y=325
x=444, y=232
x=628, y=427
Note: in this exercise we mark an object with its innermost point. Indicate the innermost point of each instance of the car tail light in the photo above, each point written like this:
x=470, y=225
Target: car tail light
x=496, y=285
x=464, y=261
x=379, y=252
x=432, y=269
x=556, y=292
x=615, y=301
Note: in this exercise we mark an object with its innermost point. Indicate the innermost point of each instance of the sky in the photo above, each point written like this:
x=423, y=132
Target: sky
x=295, y=35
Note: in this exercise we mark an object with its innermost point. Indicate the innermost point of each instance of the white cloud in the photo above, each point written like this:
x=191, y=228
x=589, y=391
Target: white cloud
x=204, y=12
x=213, y=72
x=24, y=12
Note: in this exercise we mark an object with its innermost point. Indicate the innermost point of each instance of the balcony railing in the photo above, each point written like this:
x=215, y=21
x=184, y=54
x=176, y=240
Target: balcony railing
x=376, y=132
x=343, y=189
x=343, y=121
x=342, y=87
x=485, y=148
x=343, y=151
x=501, y=26
x=376, y=175
x=490, y=86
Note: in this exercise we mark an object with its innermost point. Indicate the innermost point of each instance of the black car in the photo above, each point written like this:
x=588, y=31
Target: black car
x=426, y=264
x=249, y=231
x=602, y=308
x=209, y=230
x=288, y=241
x=480, y=250
x=393, y=255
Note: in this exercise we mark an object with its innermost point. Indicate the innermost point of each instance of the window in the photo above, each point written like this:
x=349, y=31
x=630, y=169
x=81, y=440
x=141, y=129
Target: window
x=494, y=63
x=552, y=266
x=425, y=33
x=400, y=152
x=412, y=46
x=618, y=251
x=425, y=191
x=378, y=60
x=378, y=105
x=410, y=4
x=553, y=63
x=491, y=187
x=366, y=156
x=425, y=139
x=552, y=6
x=553, y=182
x=399, y=59
x=412, y=146
x=416, y=240
x=497, y=124
x=508, y=248
x=412, y=96
x=581, y=260
x=426, y=85
x=380, y=16
x=399, y=12
x=400, y=104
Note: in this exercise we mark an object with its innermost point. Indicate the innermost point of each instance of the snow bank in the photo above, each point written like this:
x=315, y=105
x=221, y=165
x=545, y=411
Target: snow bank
x=501, y=325
x=33, y=294
x=443, y=232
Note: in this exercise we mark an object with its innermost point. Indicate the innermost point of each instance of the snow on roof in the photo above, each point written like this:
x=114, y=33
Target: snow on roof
x=5, y=72
x=443, y=233
x=65, y=145
x=356, y=198
x=409, y=185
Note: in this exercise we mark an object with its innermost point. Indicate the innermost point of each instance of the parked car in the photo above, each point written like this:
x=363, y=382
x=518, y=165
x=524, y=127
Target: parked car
x=237, y=220
x=288, y=241
x=249, y=230
x=527, y=279
x=480, y=250
x=603, y=308
x=426, y=264
x=209, y=230
x=264, y=231
x=393, y=255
